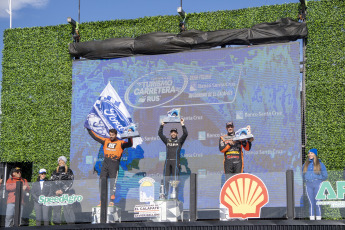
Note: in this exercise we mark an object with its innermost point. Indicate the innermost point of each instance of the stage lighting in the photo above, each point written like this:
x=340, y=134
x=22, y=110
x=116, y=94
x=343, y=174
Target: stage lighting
x=75, y=29
x=181, y=12
x=183, y=15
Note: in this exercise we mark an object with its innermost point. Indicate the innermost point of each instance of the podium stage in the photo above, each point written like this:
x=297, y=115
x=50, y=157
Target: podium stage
x=209, y=225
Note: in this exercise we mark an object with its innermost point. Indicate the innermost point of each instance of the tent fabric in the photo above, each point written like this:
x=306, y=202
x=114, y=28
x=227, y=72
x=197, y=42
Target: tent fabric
x=283, y=30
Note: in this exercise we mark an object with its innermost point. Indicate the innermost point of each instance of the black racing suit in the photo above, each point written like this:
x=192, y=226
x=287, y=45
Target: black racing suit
x=233, y=154
x=173, y=148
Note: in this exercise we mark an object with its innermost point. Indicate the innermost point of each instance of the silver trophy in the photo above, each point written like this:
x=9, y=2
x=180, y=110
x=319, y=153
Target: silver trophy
x=173, y=184
x=173, y=116
x=130, y=131
x=243, y=134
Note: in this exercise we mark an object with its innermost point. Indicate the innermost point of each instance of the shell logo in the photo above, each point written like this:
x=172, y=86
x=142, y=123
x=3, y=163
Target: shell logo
x=244, y=195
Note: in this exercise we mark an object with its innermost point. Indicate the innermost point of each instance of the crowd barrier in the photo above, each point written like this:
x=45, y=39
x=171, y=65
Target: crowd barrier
x=88, y=201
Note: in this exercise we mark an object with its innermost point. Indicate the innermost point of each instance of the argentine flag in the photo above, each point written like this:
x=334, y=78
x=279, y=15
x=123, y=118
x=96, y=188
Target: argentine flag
x=109, y=112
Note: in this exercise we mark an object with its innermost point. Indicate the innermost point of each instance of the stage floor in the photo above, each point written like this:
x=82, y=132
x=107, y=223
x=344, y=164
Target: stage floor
x=209, y=225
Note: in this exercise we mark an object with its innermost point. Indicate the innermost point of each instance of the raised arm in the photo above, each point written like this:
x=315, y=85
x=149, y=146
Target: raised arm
x=96, y=137
x=184, y=135
x=160, y=133
x=127, y=144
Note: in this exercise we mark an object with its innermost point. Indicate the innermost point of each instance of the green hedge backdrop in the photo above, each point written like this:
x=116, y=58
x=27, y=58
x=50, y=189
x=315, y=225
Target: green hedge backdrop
x=37, y=77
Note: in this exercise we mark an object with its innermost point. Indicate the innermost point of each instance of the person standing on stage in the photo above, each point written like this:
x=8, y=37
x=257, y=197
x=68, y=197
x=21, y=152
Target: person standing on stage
x=113, y=149
x=173, y=148
x=63, y=180
x=314, y=172
x=233, y=154
x=41, y=187
x=11, y=183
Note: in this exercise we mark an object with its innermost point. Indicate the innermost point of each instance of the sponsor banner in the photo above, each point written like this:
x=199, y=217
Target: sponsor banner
x=59, y=200
x=147, y=210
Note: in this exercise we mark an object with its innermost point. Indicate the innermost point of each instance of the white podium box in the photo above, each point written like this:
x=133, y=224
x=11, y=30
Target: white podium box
x=170, y=210
x=113, y=214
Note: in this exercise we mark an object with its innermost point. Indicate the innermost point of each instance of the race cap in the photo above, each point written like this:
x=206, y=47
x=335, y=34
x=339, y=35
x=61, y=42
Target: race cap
x=230, y=123
x=173, y=130
x=42, y=171
x=17, y=169
x=62, y=158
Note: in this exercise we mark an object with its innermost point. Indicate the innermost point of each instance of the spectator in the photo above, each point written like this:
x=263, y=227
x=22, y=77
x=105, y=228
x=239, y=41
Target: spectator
x=16, y=175
x=41, y=187
x=63, y=178
x=314, y=172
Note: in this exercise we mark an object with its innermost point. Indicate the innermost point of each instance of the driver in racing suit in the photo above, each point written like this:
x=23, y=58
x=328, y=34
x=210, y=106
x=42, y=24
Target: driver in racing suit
x=113, y=149
x=173, y=148
x=233, y=154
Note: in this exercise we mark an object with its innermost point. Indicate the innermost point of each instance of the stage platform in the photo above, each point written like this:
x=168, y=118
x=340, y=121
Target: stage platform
x=209, y=225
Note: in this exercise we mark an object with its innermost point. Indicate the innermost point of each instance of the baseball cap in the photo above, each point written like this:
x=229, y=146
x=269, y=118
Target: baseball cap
x=42, y=171
x=17, y=169
x=230, y=123
x=173, y=130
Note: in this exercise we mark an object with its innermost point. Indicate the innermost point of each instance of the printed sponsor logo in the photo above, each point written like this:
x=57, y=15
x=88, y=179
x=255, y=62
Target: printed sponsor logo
x=264, y=114
x=239, y=115
x=59, y=200
x=146, y=189
x=201, y=135
x=244, y=195
x=328, y=196
x=156, y=88
x=149, y=210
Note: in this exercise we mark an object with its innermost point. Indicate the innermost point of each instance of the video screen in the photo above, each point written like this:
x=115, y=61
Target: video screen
x=255, y=85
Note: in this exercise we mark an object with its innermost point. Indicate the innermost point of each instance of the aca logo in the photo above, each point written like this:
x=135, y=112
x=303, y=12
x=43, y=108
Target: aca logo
x=147, y=189
x=244, y=195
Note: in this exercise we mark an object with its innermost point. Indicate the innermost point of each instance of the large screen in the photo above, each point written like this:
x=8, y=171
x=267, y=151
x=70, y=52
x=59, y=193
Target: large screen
x=254, y=85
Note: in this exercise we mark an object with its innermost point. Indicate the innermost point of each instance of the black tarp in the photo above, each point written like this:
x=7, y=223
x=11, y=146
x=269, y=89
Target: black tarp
x=283, y=30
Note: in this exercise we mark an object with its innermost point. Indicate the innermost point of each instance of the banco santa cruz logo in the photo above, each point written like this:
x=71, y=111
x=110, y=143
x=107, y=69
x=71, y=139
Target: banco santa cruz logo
x=244, y=195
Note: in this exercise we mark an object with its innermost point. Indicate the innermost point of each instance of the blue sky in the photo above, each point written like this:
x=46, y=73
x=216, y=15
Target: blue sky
x=32, y=13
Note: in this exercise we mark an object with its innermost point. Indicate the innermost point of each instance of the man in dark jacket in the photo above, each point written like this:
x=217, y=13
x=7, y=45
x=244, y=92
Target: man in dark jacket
x=173, y=148
x=41, y=187
x=63, y=180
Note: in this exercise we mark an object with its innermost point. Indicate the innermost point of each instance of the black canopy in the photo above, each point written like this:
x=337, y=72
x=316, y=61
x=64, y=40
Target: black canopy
x=283, y=30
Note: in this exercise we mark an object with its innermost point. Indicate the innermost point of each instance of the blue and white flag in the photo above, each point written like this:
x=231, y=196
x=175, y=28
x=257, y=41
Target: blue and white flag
x=109, y=112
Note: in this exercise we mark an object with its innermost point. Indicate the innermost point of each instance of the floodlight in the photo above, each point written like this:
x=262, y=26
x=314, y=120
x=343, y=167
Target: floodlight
x=71, y=21
x=181, y=12
x=75, y=29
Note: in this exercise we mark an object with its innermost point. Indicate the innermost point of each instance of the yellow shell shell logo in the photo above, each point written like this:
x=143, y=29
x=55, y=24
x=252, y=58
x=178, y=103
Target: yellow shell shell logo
x=244, y=195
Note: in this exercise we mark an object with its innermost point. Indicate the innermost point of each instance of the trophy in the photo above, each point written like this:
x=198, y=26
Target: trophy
x=173, y=184
x=243, y=134
x=130, y=131
x=161, y=191
x=173, y=116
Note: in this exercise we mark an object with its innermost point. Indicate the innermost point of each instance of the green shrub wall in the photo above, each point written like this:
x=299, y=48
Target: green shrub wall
x=37, y=77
